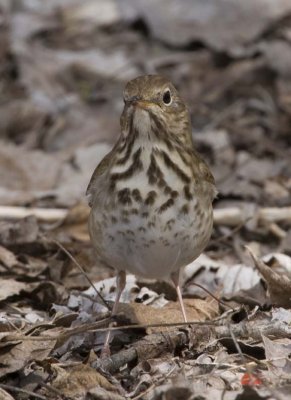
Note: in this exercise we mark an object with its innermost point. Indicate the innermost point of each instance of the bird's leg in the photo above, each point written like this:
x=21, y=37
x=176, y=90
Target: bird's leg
x=120, y=285
x=176, y=281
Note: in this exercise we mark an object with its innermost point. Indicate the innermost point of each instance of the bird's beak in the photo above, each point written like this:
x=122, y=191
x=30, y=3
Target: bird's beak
x=143, y=104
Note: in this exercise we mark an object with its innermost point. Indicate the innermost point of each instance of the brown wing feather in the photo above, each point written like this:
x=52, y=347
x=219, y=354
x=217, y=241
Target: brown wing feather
x=203, y=172
x=101, y=168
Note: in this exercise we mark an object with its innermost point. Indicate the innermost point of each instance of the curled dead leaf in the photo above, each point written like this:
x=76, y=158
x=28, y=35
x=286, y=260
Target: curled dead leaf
x=279, y=286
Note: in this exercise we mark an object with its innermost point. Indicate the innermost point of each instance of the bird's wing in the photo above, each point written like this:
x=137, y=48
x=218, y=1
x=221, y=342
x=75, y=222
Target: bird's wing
x=205, y=175
x=99, y=172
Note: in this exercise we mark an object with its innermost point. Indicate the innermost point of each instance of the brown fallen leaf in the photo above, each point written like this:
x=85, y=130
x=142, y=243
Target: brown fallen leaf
x=79, y=380
x=15, y=355
x=10, y=287
x=196, y=310
x=279, y=286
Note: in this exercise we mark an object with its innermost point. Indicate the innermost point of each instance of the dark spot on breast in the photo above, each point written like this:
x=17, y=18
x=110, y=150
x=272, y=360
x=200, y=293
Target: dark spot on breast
x=167, y=204
x=124, y=196
x=184, y=209
x=167, y=190
x=113, y=220
x=161, y=183
x=136, y=195
x=154, y=172
x=152, y=179
x=151, y=197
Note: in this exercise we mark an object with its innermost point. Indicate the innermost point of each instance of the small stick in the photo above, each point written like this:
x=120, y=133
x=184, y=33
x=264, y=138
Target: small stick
x=213, y=296
x=232, y=216
x=18, y=390
x=42, y=214
x=81, y=269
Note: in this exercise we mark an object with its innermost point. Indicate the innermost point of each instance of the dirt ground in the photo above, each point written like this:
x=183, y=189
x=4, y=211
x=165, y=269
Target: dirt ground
x=63, y=67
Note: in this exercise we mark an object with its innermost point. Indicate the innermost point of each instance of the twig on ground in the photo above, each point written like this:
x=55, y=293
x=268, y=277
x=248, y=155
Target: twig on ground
x=81, y=270
x=213, y=296
x=42, y=214
x=223, y=216
x=151, y=346
x=18, y=390
x=154, y=345
x=243, y=329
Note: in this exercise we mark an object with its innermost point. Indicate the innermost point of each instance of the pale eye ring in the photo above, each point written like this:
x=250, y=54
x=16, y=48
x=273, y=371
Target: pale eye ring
x=167, y=98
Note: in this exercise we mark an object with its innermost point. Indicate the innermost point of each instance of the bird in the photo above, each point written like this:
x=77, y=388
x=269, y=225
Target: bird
x=151, y=196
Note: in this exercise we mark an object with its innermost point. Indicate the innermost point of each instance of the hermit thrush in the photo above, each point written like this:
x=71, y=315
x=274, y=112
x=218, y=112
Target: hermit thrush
x=151, y=196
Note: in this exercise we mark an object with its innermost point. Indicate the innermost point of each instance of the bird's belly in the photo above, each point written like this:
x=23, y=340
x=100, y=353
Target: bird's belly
x=151, y=243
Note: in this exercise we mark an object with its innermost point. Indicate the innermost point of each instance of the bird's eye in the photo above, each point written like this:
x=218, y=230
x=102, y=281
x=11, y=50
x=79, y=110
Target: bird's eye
x=167, y=98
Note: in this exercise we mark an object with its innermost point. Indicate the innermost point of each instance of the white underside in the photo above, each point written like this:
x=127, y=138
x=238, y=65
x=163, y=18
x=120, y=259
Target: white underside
x=156, y=261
